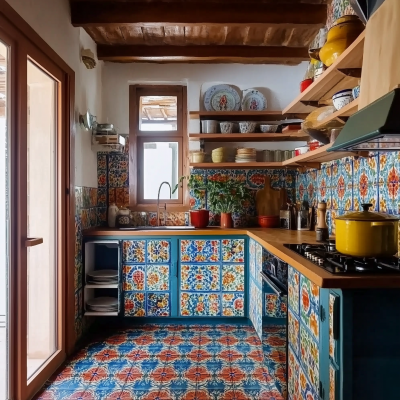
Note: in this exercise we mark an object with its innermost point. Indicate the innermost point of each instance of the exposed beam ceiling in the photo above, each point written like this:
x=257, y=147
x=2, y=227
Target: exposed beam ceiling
x=103, y=13
x=253, y=54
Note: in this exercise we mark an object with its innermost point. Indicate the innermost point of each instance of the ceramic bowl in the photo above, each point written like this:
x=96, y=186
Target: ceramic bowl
x=247, y=127
x=217, y=158
x=356, y=91
x=342, y=98
x=226, y=127
x=268, y=128
x=198, y=157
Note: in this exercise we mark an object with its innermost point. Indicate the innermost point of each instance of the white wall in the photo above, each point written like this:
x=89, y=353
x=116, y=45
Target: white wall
x=51, y=20
x=280, y=84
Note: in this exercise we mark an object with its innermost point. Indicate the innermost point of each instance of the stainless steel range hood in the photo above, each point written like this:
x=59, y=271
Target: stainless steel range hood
x=374, y=128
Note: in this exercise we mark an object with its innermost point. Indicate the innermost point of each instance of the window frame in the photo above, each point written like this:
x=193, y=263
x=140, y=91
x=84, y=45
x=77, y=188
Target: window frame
x=138, y=137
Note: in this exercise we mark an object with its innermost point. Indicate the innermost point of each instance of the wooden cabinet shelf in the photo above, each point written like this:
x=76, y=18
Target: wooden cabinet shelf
x=249, y=137
x=343, y=74
x=343, y=113
x=233, y=165
x=241, y=115
x=317, y=156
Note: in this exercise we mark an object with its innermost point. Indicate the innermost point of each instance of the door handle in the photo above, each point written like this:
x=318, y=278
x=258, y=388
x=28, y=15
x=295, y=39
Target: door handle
x=30, y=242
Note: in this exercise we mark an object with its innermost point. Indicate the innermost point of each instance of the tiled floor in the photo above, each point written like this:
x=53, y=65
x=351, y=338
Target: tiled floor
x=180, y=362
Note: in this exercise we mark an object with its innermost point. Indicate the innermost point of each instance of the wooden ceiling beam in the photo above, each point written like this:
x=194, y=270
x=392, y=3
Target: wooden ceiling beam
x=249, y=54
x=160, y=13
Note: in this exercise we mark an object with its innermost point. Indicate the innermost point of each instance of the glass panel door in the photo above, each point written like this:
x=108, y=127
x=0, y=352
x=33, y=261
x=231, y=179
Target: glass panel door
x=42, y=215
x=4, y=218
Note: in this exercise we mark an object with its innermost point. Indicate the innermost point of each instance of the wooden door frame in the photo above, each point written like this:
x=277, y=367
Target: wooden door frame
x=25, y=40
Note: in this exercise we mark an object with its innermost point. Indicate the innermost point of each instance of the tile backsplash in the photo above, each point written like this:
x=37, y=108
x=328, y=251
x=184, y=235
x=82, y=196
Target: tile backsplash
x=113, y=187
x=347, y=183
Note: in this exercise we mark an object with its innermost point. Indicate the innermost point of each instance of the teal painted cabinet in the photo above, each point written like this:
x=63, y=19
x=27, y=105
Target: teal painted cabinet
x=184, y=277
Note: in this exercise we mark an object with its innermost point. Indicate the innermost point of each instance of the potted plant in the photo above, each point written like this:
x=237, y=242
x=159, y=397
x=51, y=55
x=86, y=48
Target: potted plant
x=225, y=196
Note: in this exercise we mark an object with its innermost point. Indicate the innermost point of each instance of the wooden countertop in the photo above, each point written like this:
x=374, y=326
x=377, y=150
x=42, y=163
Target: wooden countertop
x=273, y=240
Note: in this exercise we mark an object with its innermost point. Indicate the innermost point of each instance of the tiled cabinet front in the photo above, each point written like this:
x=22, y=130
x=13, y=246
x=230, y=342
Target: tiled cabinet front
x=303, y=337
x=146, y=272
x=212, y=277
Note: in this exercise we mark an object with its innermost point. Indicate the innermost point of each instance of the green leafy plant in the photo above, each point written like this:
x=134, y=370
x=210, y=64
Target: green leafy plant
x=225, y=195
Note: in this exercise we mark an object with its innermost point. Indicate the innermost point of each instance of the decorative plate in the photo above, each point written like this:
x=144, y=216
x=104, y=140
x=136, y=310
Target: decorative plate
x=253, y=100
x=221, y=98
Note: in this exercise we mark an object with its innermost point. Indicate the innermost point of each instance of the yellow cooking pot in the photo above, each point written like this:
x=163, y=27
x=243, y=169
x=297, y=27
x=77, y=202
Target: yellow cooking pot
x=367, y=234
x=343, y=33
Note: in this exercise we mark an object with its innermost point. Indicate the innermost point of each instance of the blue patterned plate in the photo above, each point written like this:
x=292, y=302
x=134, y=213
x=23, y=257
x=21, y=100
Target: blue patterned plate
x=253, y=100
x=221, y=98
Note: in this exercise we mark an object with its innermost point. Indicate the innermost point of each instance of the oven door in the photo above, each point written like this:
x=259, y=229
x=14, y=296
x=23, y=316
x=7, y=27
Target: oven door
x=274, y=299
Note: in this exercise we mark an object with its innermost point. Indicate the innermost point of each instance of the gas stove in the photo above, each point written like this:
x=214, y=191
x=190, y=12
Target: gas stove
x=325, y=256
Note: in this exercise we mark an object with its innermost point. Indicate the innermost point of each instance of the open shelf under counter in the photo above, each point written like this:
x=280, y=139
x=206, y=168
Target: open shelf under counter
x=344, y=73
x=233, y=165
x=249, y=137
x=242, y=115
x=317, y=157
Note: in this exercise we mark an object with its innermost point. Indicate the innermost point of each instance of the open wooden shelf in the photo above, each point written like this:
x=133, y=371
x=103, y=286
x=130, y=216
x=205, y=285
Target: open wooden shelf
x=335, y=78
x=233, y=165
x=241, y=115
x=249, y=137
x=343, y=113
x=317, y=156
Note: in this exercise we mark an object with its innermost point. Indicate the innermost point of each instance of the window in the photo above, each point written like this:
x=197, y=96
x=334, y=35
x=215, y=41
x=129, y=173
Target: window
x=157, y=144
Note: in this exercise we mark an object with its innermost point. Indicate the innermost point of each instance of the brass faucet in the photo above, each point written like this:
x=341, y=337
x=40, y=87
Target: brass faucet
x=165, y=204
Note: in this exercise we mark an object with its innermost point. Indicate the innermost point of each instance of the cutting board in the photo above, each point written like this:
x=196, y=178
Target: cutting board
x=268, y=200
x=381, y=72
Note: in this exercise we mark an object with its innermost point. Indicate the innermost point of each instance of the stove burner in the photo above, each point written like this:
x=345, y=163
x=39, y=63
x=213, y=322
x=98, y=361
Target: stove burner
x=326, y=256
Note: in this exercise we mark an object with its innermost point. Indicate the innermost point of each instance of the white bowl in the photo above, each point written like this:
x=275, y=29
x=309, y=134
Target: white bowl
x=268, y=128
x=247, y=127
x=342, y=98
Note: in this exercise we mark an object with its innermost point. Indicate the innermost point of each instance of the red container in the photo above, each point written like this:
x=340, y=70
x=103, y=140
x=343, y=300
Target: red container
x=270, y=221
x=199, y=218
x=305, y=84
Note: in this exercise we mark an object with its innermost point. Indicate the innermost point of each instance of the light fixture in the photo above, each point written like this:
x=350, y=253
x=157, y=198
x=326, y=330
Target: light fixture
x=88, y=58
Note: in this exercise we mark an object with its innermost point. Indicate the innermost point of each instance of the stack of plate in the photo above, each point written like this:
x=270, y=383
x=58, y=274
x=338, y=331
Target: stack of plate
x=102, y=304
x=102, y=277
x=246, y=155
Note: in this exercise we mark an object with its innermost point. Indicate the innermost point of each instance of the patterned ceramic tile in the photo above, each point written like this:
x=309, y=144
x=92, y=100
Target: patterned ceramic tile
x=294, y=289
x=343, y=192
x=259, y=260
x=233, y=304
x=102, y=178
x=118, y=179
x=200, y=277
x=101, y=161
x=293, y=376
x=157, y=277
x=309, y=305
x=86, y=197
x=275, y=306
x=309, y=357
x=332, y=383
x=200, y=304
x=255, y=307
x=158, y=251
x=252, y=257
x=133, y=277
x=306, y=389
x=256, y=179
x=233, y=250
x=233, y=277
x=294, y=333
x=200, y=250
x=134, y=304
x=324, y=184
x=134, y=251
x=332, y=342
x=389, y=178
x=102, y=197
x=78, y=200
x=102, y=216
x=158, y=304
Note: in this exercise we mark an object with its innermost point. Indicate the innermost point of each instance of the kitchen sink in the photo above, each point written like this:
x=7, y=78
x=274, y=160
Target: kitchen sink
x=158, y=228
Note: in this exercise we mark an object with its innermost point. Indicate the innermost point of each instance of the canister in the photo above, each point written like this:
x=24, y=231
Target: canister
x=268, y=155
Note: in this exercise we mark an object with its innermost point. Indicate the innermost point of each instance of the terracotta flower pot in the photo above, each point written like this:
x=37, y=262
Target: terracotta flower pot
x=226, y=220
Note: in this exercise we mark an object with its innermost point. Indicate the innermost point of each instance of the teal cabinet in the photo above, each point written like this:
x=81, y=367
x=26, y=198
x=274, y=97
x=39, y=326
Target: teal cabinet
x=212, y=277
x=184, y=277
x=303, y=337
x=147, y=277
